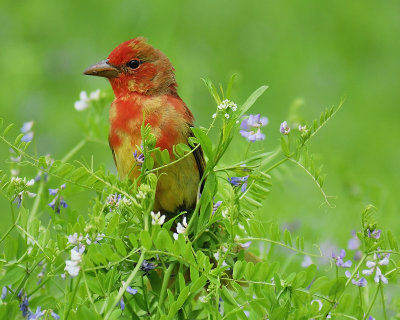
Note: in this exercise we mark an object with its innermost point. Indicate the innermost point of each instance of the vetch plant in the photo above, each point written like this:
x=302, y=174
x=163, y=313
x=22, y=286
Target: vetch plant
x=122, y=258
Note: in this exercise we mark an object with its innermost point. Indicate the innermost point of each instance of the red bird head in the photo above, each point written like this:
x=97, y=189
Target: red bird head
x=135, y=66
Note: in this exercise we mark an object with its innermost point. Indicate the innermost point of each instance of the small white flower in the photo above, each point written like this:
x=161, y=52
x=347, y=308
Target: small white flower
x=27, y=126
x=84, y=99
x=307, y=261
x=72, y=266
x=225, y=213
x=157, y=218
x=216, y=255
x=302, y=128
x=214, y=115
x=14, y=172
x=76, y=253
x=379, y=277
x=224, y=264
x=30, y=183
x=227, y=115
x=73, y=238
x=95, y=95
x=203, y=299
x=141, y=195
x=180, y=228
x=124, y=200
x=100, y=236
x=83, y=102
x=16, y=180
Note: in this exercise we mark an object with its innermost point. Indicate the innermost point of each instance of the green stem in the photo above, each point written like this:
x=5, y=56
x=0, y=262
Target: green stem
x=361, y=301
x=74, y=150
x=145, y=296
x=383, y=301
x=276, y=165
x=71, y=301
x=164, y=286
x=36, y=203
x=372, y=303
x=127, y=283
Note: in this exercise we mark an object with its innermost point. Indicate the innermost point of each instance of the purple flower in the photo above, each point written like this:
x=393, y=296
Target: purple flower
x=58, y=202
x=122, y=303
x=24, y=306
x=53, y=192
x=38, y=314
x=216, y=206
x=55, y=315
x=376, y=234
x=138, y=157
x=245, y=245
x=357, y=281
x=379, y=277
x=284, y=128
x=129, y=289
x=251, y=127
x=239, y=181
x=147, y=266
x=354, y=243
x=4, y=292
x=375, y=266
x=339, y=259
x=26, y=129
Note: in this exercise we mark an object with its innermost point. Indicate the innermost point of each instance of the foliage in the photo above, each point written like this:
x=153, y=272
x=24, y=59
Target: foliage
x=121, y=260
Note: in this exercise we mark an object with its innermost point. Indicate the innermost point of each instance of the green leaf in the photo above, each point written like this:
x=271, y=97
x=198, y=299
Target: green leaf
x=251, y=100
x=112, y=224
x=205, y=142
x=229, y=87
x=318, y=284
x=7, y=129
x=238, y=269
x=288, y=238
x=163, y=240
x=12, y=275
x=145, y=239
x=178, y=303
x=120, y=246
x=133, y=240
x=227, y=297
x=165, y=156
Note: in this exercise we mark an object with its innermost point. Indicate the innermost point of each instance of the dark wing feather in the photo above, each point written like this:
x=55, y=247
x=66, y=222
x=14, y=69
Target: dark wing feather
x=199, y=157
x=113, y=153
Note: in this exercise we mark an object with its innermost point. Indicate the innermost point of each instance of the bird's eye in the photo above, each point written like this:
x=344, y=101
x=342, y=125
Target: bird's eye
x=133, y=64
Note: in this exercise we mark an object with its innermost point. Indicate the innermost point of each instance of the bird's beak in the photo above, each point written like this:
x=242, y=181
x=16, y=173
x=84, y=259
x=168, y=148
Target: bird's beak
x=102, y=69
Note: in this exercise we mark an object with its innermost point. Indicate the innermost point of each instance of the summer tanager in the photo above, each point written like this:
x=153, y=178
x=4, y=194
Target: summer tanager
x=144, y=86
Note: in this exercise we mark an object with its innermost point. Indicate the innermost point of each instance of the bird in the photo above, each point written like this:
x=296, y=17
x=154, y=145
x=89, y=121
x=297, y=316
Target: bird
x=145, y=89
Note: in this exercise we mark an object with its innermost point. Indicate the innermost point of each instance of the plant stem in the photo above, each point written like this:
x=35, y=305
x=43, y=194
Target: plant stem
x=383, y=301
x=164, y=286
x=372, y=303
x=74, y=150
x=36, y=203
x=71, y=301
x=127, y=283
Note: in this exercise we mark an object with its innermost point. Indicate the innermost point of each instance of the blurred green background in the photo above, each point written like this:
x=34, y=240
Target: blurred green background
x=318, y=51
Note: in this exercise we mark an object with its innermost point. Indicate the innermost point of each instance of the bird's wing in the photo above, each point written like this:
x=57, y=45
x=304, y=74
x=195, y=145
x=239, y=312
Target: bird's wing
x=112, y=151
x=199, y=157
